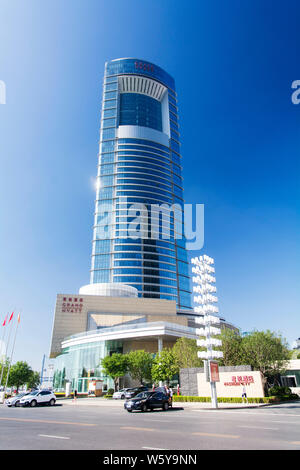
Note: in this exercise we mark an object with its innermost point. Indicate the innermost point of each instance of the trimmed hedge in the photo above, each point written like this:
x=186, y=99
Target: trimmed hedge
x=181, y=398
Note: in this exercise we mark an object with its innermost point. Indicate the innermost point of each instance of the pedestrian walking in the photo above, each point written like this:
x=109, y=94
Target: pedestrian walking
x=178, y=390
x=170, y=397
x=75, y=395
x=244, y=393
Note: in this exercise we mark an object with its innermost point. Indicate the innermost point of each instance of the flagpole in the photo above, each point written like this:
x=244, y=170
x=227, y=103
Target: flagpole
x=3, y=335
x=12, y=352
x=2, y=341
x=6, y=348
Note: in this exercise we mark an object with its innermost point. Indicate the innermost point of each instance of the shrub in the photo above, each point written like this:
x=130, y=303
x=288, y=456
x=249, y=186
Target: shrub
x=224, y=399
x=280, y=391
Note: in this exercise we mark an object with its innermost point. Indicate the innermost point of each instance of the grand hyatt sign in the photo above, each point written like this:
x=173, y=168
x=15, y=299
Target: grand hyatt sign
x=72, y=304
x=143, y=66
x=230, y=384
x=239, y=380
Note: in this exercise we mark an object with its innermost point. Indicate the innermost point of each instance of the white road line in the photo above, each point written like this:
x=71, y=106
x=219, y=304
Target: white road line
x=249, y=413
x=285, y=422
x=153, y=448
x=158, y=420
x=54, y=437
x=257, y=427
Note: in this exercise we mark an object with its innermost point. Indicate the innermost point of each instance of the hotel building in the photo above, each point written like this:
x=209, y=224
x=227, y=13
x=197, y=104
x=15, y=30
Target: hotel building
x=139, y=296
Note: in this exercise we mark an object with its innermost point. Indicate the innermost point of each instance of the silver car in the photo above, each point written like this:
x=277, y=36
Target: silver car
x=120, y=394
x=15, y=401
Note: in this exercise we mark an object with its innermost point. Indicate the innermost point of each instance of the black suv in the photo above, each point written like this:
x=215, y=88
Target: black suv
x=147, y=401
x=132, y=392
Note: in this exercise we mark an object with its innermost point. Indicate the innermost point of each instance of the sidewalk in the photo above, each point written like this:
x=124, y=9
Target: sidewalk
x=105, y=402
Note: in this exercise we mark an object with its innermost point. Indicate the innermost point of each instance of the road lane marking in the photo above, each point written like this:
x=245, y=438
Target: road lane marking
x=284, y=422
x=54, y=437
x=257, y=427
x=158, y=420
x=238, y=412
x=208, y=434
x=154, y=448
x=132, y=428
x=27, y=420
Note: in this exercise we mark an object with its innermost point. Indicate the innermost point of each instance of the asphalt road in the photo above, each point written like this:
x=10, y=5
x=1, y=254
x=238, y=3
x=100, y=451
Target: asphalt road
x=65, y=427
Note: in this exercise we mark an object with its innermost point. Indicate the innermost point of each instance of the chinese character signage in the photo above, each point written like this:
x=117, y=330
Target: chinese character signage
x=72, y=304
x=239, y=380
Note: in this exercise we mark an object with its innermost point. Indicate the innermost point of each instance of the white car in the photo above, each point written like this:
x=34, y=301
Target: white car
x=38, y=397
x=15, y=401
x=120, y=394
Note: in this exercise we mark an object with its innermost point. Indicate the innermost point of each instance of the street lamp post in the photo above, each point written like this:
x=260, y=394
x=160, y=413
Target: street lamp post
x=204, y=285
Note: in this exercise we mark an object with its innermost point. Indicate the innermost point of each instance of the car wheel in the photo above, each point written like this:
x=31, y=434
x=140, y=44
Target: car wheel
x=144, y=408
x=52, y=402
x=17, y=403
x=129, y=411
x=33, y=403
x=165, y=406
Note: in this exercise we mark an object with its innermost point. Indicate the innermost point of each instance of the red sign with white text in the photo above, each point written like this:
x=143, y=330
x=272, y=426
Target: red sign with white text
x=214, y=371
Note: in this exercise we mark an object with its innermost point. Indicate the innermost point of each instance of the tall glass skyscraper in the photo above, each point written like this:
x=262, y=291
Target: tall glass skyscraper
x=139, y=159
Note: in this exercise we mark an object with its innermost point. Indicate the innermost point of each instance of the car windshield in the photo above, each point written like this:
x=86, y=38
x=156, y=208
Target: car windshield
x=143, y=395
x=34, y=393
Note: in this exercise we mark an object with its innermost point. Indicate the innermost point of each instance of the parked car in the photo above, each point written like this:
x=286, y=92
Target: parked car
x=15, y=401
x=147, y=401
x=38, y=397
x=132, y=392
x=120, y=394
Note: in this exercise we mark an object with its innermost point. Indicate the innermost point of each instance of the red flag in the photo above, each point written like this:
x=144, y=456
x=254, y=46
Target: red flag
x=3, y=324
x=11, y=317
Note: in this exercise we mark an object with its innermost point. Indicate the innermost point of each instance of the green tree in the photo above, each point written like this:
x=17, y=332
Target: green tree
x=265, y=351
x=115, y=366
x=231, y=347
x=140, y=364
x=164, y=366
x=34, y=380
x=185, y=353
x=20, y=374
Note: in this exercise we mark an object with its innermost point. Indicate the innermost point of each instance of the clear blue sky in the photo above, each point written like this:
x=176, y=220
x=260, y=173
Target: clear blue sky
x=233, y=63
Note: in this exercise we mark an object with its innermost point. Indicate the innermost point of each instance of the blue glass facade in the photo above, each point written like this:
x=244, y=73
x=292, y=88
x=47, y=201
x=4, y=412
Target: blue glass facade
x=137, y=109
x=139, y=159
